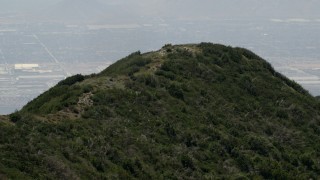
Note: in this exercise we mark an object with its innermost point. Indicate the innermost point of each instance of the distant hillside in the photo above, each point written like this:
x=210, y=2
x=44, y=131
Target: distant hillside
x=198, y=111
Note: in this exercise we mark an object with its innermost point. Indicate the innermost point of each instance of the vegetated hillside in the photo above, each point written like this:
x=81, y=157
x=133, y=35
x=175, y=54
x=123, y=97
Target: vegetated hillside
x=202, y=111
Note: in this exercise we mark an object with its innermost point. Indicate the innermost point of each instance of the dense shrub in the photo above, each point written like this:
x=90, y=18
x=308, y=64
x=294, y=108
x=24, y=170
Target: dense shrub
x=15, y=117
x=247, y=84
x=176, y=91
x=71, y=80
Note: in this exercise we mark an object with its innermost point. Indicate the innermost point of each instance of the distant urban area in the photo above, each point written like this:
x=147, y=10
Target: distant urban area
x=35, y=56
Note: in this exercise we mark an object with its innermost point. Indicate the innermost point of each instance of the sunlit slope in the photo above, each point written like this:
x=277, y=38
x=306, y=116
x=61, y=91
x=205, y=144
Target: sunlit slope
x=199, y=111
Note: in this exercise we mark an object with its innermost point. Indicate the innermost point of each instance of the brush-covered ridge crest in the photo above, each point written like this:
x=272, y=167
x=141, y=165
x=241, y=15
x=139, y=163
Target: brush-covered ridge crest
x=197, y=111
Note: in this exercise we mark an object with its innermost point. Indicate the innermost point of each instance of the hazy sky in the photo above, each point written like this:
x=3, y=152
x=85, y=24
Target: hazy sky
x=176, y=8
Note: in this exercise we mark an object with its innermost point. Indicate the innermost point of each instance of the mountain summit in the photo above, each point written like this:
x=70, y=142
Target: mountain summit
x=197, y=111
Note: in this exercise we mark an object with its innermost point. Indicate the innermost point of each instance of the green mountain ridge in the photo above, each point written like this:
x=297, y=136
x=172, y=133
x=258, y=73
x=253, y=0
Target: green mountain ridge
x=196, y=111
